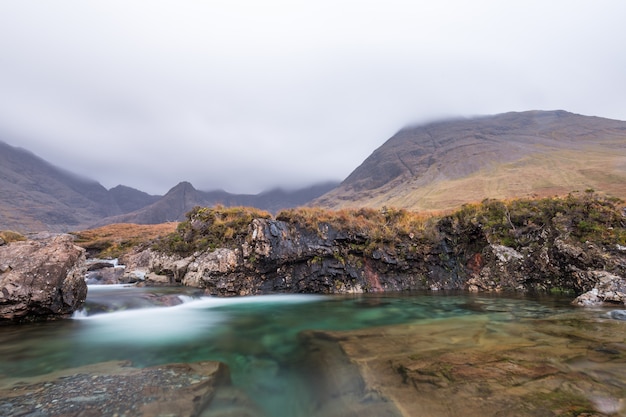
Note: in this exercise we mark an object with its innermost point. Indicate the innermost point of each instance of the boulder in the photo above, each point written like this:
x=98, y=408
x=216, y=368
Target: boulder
x=609, y=288
x=104, y=276
x=41, y=279
x=97, y=265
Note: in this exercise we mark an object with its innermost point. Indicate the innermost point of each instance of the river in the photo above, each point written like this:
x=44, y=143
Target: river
x=259, y=337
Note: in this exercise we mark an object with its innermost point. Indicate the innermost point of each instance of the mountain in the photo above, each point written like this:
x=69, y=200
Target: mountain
x=183, y=197
x=36, y=195
x=443, y=165
x=437, y=166
x=129, y=199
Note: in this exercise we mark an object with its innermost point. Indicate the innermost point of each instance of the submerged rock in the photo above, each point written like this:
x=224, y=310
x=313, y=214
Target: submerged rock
x=618, y=315
x=107, y=275
x=477, y=367
x=117, y=388
x=41, y=279
x=338, y=384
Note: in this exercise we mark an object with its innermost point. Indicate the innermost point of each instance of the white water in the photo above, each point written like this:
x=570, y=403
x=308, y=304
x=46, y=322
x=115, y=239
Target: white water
x=108, y=287
x=157, y=325
x=113, y=262
x=169, y=325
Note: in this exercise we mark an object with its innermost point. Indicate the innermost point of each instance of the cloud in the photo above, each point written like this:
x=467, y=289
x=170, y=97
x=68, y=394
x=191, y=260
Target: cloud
x=246, y=95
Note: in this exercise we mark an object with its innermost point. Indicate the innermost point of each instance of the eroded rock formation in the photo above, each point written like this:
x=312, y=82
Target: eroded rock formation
x=535, y=251
x=41, y=279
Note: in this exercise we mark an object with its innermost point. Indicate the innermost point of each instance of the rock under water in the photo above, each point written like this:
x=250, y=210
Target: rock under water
x=118, y=388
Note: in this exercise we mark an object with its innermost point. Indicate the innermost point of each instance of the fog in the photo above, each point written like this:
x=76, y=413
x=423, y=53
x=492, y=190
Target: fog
x=246, y=95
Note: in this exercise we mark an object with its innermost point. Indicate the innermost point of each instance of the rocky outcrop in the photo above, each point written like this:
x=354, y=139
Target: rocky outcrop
x=541, y=246
x=41, y=279
x=277, y=256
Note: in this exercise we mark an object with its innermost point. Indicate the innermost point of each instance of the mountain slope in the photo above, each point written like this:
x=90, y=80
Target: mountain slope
x=180, y=199
x=129, y=199
x=443, y=165
x=36, y=195
x=183, y=197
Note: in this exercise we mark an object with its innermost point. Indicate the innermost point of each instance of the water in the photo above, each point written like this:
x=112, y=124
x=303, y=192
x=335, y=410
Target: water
x=261, y=338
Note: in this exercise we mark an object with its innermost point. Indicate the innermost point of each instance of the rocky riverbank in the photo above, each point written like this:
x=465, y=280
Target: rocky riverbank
x=575, y=244
x=563, y=245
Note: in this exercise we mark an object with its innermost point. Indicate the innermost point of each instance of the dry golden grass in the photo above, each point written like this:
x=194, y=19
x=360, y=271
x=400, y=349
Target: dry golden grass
x=10, y=236
x=544, y=174
x=379, y=225
x=114, y=239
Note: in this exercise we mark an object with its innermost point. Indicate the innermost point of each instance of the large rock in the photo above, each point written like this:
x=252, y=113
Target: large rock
x=41, y=279
x=117, y=388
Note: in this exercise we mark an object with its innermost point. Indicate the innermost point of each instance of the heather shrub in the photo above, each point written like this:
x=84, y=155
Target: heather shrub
x=209, y=228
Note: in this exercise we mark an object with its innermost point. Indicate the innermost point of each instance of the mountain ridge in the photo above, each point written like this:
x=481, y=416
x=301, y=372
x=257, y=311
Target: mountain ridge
x=36, y=195
x=441, y=165
x=430, y=167
x=184, y=196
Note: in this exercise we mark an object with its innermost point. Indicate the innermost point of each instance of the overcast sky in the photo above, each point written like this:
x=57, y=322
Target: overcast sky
x=248, y=95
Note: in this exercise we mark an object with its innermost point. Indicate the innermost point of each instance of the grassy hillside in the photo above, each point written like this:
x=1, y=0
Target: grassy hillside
x=520, y=155
x=539, y=175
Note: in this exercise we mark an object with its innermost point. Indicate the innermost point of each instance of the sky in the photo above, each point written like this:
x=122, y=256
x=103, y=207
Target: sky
x=248, y=95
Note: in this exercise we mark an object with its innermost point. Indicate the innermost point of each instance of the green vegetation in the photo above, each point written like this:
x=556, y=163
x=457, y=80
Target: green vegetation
x=209, y=228
x=516, y=223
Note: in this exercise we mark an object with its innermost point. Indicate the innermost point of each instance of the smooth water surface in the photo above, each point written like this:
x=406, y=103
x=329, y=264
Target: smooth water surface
x=256, y=336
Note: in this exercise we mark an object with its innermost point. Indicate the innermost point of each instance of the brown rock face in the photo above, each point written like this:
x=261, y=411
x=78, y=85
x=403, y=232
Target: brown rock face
x=41, y=279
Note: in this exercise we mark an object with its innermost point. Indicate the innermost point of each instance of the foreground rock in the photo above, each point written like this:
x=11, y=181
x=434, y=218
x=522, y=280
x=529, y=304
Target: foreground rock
x=338, y=385
x=116, y=388
x=41, y=279
x=477, y=367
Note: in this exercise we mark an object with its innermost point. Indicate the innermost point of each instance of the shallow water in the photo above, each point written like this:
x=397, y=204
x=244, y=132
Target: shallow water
x=256, y=336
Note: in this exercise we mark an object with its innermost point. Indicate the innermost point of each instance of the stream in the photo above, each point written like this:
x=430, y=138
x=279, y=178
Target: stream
x=257, y=337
